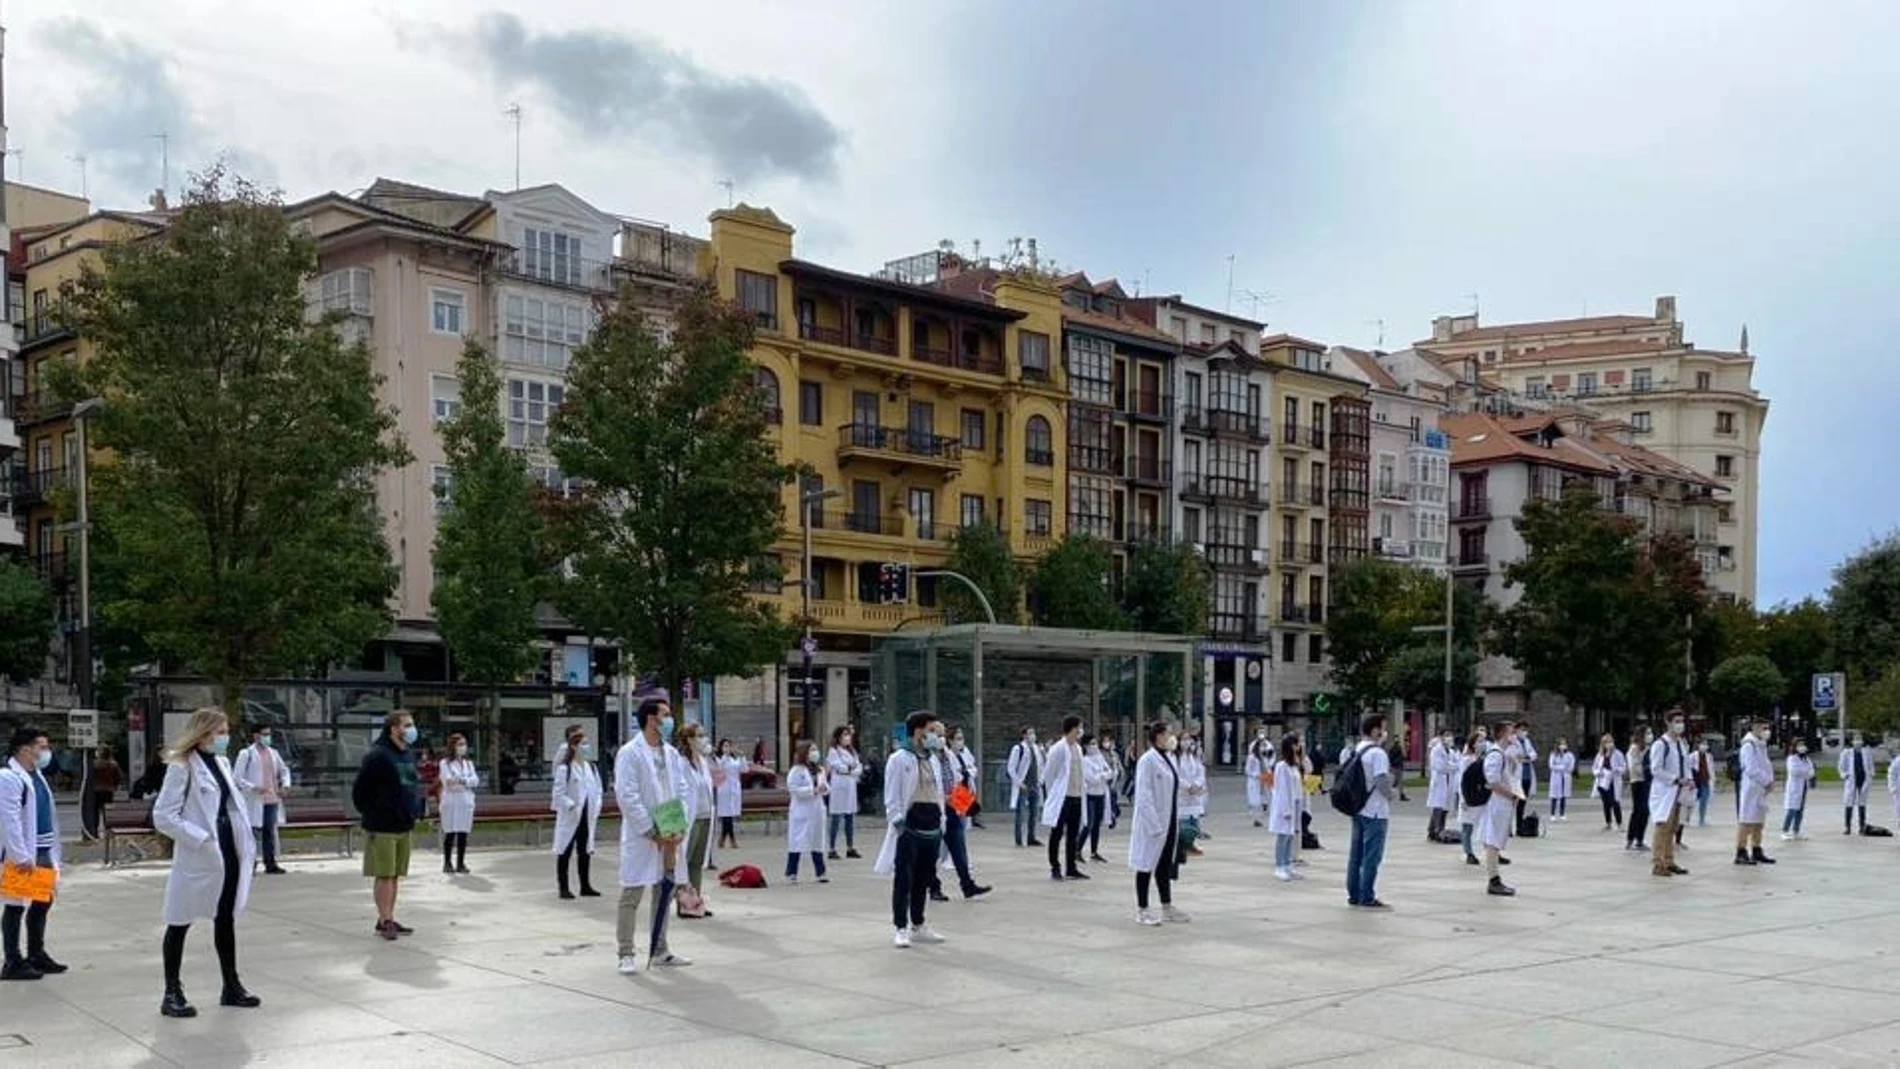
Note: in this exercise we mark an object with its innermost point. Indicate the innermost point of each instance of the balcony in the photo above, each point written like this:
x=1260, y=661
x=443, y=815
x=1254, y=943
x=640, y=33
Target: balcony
x=1248, y=426
x=1316, y=614
x=1195, y=420
x=567, y=272
x=1151, y=407
x=858, y=522
x=1316, y=437
x=46, y=325
x=1471, y=508
x=1471, y=562
x=1149, y=531
x=1391, y=548
x=51, y=567
x=40, y=406
x=1301, y=495
x=1394, y=491
x=1316, y=495
x=1237, y=627
x=1233, y=555
x=1149, y=471
x=1315, y=553
x=830, y=614
x=32, y=487
x=1292, y=614
x=1293, y=436
x=900, y=447
x=1298, y=554
x=968, y=360
x=1093, y=460
x=1237, y=489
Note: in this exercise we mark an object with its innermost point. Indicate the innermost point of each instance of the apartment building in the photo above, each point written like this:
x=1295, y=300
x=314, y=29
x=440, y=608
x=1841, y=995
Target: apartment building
x=1697, y=407
x=1306, y=389
x=1411, y=460
x=923, y=404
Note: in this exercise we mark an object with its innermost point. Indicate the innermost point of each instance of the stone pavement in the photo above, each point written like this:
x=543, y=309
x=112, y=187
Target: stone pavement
x=1596, y=964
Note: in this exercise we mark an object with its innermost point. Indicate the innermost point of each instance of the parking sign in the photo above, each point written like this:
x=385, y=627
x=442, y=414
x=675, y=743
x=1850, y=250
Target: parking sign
x=1826, y=694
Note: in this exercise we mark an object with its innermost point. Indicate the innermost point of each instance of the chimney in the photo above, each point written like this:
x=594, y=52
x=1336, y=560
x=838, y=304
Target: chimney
x=157, y=200
x=1665, y=309
x=1441, y=328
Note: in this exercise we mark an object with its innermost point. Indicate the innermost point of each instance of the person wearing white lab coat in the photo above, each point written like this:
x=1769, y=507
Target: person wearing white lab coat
x=696, y=751
x=1794, y=799
x=1671, y=782
x=1526, y=765
x=264, y=778
x=1193, y=768
x=1259, y=769
x=648, y=774
x=1505, y=779
x=1152, y=832
x=1283, y=806
x=1062, y=801
x=1441, y=768
x=1025, y=786
x=1609, y=769
x=1468, y=816
x=729, y=793
x=458, y=777
x=1563, y=767
x=1758, y=777
x=913, y=827
x=29, y=839
x=1097, y=775
x=1893, y=787
x=1857, y=775
x=843, y=768
x=575, y=799
x=805, y=821
x=1638, y=780
x=200, y=811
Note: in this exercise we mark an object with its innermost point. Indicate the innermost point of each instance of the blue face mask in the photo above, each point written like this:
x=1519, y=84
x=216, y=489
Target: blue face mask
x=220, y=743
x=409, y=735
x=666, y=728
x=44, y=760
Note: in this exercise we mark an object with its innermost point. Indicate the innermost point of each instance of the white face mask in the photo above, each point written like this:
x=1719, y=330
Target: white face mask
x=704, y=747
x=1168, y=743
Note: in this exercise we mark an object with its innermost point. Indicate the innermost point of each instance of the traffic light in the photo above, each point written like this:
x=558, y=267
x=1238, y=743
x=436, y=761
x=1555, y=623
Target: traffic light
x=893, y=584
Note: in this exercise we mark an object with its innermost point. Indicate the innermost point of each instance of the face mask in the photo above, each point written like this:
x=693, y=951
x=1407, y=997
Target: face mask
x=1091, y=749
x=265, y=741
x=1675, y=727
x=1168, y=743
x=845, y=743
x=1030, y=738
x=704, y=747
x=409, y=735
x=1801, y=749
x=814, y=757
x=666, y=728
x=1704, y=747
x=45, y=760
x=460, y=750
x=957, y=743
x=933, y=741
x=219, y=743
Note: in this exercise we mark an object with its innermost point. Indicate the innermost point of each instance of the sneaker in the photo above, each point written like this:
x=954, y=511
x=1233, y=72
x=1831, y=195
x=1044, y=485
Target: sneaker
x=832, y=856
x=793, y=880
x=1376, y=904
x=978, y=891
x=1761, y=858
x=1075, y=875
x=1098, y=859
x=629, y=965
x=1660, y=872
x=671, y=960
x=19, y=970
x=1498, y=887
x=1469, y=860
x=924, y=933
x=1504, y=860
x=1742, y=858
x=1678, y=870
x=1786, y=838
x=902, y=940
x=1298, y=875
x=386, y=930
x=45, y=964
x=1283, y=875
x=824, y=879
x=1148, y=917
x=1174, y=916
x=852, y=853
x=400, y=928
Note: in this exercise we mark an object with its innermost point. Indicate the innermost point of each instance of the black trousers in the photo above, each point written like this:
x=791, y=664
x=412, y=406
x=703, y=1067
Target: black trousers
x=1436, y=825
x=34, y=915
x=1067, y=833
x=1098, y=805
x=1612, y=809
x=223, y=926
x=583, y=861
x=910, y=877
x=1639, y=811
x=1163, y=883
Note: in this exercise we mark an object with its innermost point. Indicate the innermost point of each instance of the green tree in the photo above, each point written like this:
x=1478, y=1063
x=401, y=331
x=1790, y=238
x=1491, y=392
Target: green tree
x=488, y=574
x=1875, y=708
x=1167, y=590
x=1798, y=637
x=1376, y=604
x=1070, y=586
x=243, y=438
x=26, y=623
x=980, y=553
x=1745, y=685
x=680, y=493
x=1667, y=597
x=1864, y=603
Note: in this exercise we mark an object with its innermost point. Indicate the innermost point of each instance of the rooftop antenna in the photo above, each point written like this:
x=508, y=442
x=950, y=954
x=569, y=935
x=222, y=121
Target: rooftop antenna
x=727, y=183
x=1473, y=298
x=164, y=139
x=513, y=111
x=19, y=166
x=1380, y=323
x=1230, y=284
x=1256, y=298
x=85, y=191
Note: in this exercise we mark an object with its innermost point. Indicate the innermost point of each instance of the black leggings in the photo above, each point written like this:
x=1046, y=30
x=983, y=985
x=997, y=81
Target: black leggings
x=455, y=849
x=1639, y=812
x=728, y=831
x=223, y=927
x=583, y=863
x=1163, y=883
x=35, y=915
x=1612, y=809
x=1097, y=804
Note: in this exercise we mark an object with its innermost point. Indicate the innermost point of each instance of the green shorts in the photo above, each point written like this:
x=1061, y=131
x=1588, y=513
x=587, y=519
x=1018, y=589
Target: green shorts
x=386, y=855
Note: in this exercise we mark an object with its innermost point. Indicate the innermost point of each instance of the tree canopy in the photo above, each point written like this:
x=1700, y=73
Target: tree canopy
x=1069, y=586
x=26, y=622
x=1745, y=685
x=1166, y=590
x=980, y=553
x=1864, y=604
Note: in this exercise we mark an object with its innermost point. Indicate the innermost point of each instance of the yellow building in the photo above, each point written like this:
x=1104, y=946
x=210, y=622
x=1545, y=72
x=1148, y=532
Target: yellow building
x=915, y=411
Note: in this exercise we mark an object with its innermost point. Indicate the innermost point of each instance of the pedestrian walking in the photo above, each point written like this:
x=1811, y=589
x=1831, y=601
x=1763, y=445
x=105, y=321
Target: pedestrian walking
x=29, y=842
x=959, y=769
x=1442, y=765
x=387, y=799
x=575, y=799
x=1287, y=789
x=805, y=820
x=650, y=786
x=1025, y=786
x=456, y=781
x=1637, y=765
x=843, y=769
x=1670, y=781
x=1369, y=824
x=1063, y=784
x=1758, y=777
x=1097, y=775
x=104, y=785
x=1609, y=769
x=1506, y=783
x=1154, y=825
x=263, y=778
x=200, y=811
x=1563, y=769
x=1857, y=773
x=696, y=752
x=914, y=821
x=729, y=797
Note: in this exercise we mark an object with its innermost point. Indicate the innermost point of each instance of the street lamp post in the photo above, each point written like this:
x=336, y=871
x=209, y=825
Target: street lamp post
x=1447, y=629
x=807, y=645
x=83, y=640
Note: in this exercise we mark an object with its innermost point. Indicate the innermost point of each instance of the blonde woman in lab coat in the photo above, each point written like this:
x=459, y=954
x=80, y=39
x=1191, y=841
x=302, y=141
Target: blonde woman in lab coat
x=459, y=778
x=805, y=823
x=842, y=762
x=576, y=802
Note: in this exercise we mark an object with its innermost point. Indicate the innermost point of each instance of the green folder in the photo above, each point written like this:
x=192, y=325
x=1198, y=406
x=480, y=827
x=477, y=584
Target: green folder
x=669, y=819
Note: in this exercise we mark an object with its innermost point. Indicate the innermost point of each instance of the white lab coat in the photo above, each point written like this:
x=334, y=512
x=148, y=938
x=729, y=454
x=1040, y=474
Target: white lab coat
x=458, y=778
x=186, y=812
x=1441, y=766
x=1059, y=763
x=1563, y=765
x=805, y=821
x=1526, y=762
x=1097, y=773
x=1283, y=808
x=845, y=768
x=1466, y=814
x=248, y=770
x=1851, y=795
x=1800, y=770
x=1609, y=770
x=901, y=770
x=644, y=777
x=1193, y=784
x=1151, y=835
x=729, y=794
x=1758, y=775
x=575, y=800
x=20, y=819
x=1258, y=765
x=1668, y=766
x=1893, y=787
x=1500, y=810
x=1019, y=763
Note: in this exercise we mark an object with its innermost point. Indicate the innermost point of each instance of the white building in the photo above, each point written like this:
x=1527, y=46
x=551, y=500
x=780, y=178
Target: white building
x=1411, y=460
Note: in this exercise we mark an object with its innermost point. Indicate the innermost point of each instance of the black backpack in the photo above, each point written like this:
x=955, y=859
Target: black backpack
x=1349, y=787
x=1472, y=785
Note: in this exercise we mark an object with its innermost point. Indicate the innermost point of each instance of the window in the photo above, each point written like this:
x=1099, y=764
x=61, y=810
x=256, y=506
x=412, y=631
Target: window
x=1038, y=517
x=1032, y=351
x=1207, y=333
x=1725, y=423
x=441, y=487
x=1586, y=383
x=1471, y=546
x=445, y=311
x=1315, y=648
x=767, y=384
x=1703, y=380
x=970, y=510
x=1191, y=391
x=1640, y=421
x=923, y=509
x=1641, y=380
x=1191, y=459
x=530, y=404
x=1039, y=442
x=1091, y=370
x=346, y=290
x=1238, y=336
x=1191, y=525
x=758, y=294
x=541, y=333
x=811, y=403
x=1289, y=647
x=445, y=397
x=1724, y=466
x=974, y=423
x=1534, y=386
x=1725, y=513
x=551, y=256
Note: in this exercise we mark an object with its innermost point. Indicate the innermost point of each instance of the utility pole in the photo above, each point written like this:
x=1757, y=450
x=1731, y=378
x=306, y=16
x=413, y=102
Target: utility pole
x=164, y=139
x=84, y=191
x=1230, y=284
x=808, y=645
x=513, y=111
x=726, y=184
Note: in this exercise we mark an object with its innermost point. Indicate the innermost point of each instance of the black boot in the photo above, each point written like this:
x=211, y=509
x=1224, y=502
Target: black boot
x=235, y=995
x=174, y=1004
x=36, y=954
x=1760, y=858
x=1497, y=887
x=584, y=862
x=19, y=969
x=1742, y=858
x=461, y=853
x=448, y=854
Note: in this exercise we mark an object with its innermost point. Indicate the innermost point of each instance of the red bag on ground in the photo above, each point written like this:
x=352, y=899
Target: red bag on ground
x=742, y=876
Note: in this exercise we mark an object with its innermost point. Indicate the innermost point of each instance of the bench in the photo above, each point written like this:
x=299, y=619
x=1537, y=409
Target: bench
x=534, y=811
x=128, y=825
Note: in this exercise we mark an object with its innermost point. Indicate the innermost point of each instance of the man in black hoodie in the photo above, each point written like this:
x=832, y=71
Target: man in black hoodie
x=386, y=798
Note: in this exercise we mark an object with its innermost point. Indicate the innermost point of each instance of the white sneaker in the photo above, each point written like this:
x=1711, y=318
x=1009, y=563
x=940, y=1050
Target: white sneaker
x=1282, y=875
x=924, y=933
x=1174, y=916
x=670, y=960
x=902, y=940
x=1298, y=875
x=1786, y=838
x=1148, y=917
x=793, y=880
x=629, y=965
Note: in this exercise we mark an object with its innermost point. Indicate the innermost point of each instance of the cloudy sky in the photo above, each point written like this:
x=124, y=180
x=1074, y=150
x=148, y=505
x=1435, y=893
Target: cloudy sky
x=1360, y=162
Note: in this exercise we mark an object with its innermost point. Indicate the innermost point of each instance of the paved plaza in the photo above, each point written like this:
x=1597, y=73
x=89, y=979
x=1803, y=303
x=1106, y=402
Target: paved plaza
x=1596, y=964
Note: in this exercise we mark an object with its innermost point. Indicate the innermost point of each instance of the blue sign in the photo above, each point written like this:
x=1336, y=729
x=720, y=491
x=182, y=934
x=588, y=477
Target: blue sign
x=1437, y=439
x=1826, y=694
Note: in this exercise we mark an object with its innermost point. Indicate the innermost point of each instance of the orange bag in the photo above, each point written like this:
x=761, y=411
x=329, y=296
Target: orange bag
x=961, y=799
x=34, y=885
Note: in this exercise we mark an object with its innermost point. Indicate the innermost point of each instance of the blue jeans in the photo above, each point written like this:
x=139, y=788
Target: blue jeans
x=956, y=847
x=1028, y=812
x=817, y=862
x=849, y=820
x=1362, y=862
x=1702, y=803
x=1791, y=821
x=1283, y=851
